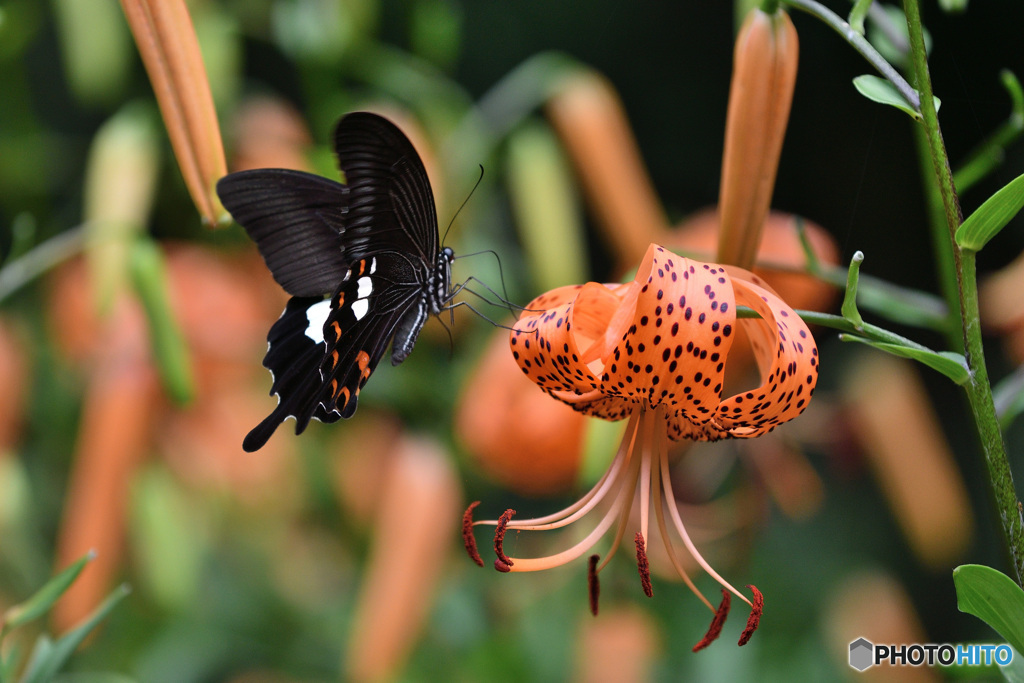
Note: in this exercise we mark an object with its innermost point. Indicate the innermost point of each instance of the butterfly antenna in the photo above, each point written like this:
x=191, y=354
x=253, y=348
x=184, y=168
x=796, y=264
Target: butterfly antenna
x=463, y=205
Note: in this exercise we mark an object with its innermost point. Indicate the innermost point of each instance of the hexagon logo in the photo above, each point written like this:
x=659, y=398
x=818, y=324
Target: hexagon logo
x=861, y=654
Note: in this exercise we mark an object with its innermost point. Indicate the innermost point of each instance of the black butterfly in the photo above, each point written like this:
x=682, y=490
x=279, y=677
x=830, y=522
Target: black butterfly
x=371, y=244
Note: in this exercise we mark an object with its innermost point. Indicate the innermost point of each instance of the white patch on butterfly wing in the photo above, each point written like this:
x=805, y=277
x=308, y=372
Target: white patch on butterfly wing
x=359, y=308
x=365, y=287
x=373, y=265
x=317, y=317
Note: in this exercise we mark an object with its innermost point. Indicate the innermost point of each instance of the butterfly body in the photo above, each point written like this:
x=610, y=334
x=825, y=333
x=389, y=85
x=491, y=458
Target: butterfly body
x=360, y=259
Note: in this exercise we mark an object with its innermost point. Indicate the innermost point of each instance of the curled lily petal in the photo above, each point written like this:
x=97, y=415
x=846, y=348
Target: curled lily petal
x=665, y=339
x=787, y=357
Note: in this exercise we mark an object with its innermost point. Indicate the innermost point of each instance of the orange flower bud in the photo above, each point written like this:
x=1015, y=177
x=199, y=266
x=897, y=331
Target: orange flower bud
x=516, y=422
x=589, y=118
x=170, y=51
x=763, y=78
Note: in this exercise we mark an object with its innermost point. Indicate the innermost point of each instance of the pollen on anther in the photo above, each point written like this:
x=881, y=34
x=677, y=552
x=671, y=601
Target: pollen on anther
x=467, y=534
x=755, y=616
x=643, y=565
x=499, y=538
x=715, y=629
x=593, y=583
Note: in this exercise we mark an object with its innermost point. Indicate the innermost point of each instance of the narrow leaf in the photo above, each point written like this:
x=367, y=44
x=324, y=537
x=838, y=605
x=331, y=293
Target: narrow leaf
x=1008, y=397
x=169, y=350
x=992, y=216
x=953, y=6
x=1014, y=671
x=37, y=605
x=994, y=598
x=45, y=665
x=950, y=364
x=849, y=308
x=882, y=91
x=547, y=215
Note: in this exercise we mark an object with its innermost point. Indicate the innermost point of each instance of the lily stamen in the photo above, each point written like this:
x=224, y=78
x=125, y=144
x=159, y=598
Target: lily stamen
x=715, y=629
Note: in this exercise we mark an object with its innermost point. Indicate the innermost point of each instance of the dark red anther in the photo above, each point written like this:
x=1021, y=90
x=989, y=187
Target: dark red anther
x=593, y=583
x=715, y=629
x=502, y=567
x=643, y=565
x=467, y=534
x=499, y=538
x=755, y=615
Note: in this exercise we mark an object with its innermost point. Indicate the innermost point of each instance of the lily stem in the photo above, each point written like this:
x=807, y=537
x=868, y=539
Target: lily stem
x=979, y=391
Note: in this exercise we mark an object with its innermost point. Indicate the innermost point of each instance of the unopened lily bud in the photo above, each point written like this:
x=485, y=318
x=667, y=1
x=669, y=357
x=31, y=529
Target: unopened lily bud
x=763, y=78
x=589, y=118
x=170, y=51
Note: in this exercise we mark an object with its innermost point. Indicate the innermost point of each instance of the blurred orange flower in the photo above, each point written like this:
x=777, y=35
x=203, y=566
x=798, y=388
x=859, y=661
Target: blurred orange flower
x=654, y=351
x=216, y=300
x=505, y=432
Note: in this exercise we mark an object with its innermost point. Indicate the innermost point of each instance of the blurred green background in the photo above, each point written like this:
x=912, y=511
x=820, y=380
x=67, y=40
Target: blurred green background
x=248, y=571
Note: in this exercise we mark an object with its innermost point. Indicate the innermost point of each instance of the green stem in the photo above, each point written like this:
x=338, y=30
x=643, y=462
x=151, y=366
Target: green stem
x=942, y=249
x=861, y=45
x=837, y=322
x=22, y=270
x=979, y=391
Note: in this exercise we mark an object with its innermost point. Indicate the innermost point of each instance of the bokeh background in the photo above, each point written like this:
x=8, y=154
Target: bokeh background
x=337, y=555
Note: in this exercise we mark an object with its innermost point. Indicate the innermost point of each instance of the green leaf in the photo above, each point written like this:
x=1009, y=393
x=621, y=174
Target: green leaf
x=1008, y=397
x=543, y=201
x=952, y=365
x=953, y=6
x=882, y=91
x=994, y=598
x=600, y=439
x=992, y=216
x=849, y=308
x=43, y=599
x=169, y=350
x=49, y=656
x=1014, y=671
x=93, y=677
x=887, y=31
x=858, y=14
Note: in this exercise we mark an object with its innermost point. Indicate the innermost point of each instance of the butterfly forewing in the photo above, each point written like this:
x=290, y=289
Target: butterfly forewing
x=297, y=221
x=392, y=205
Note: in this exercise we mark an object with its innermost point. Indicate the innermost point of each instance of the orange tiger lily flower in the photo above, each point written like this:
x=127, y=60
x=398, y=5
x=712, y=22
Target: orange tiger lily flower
x=654, y=351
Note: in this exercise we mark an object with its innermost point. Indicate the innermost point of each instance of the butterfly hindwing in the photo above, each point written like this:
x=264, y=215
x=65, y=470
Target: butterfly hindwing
x=295, y=351
x=365, y=314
